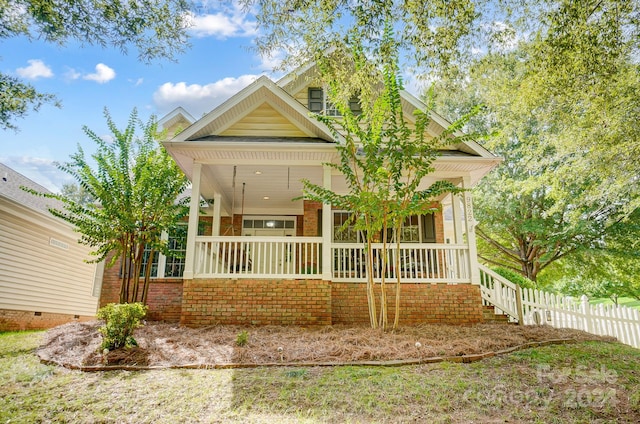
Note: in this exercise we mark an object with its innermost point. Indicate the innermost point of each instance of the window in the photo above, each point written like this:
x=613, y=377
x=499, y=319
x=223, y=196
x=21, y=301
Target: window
x=170, y=266
x=415, y=229
x=174, y=263
x=343, y=228
x=319, y=103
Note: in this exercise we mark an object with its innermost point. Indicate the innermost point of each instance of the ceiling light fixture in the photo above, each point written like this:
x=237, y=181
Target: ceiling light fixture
x=258, y=172
x=265, y=198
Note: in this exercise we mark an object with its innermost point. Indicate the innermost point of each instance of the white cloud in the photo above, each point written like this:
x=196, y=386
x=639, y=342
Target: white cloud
x=272, y=61
x=36, y=69
x=221, y=20
x=196, y=98
x=136, y=82
x=72, y=74
x=102, y=75
x=42, y=171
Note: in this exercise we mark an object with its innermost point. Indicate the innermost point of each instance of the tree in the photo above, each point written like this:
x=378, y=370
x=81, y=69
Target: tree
x=443, y=36
x=136, y=185
x=77, y=193
x=156, y=28
x=611, y=271
x=383, y=160
x=531, y=212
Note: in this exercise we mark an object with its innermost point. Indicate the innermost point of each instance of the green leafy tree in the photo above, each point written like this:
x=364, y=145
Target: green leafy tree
x=136, y=185
x=531, y=215
x=383, y=160
x=78, y=193
x=612, y=270
x=447, y=35
x=155, y=28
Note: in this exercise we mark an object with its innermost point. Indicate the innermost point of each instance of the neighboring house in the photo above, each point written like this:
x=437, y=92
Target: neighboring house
x=44, y=279
x=254, y=256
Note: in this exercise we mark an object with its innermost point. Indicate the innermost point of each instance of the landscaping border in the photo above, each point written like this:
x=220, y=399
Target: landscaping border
x=394, y=363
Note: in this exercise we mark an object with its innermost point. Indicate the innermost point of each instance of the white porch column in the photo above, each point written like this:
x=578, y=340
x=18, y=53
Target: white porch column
x=457, y=219
x=215, y=227
x=327, y=262
x=192, y=231
x=470, y=224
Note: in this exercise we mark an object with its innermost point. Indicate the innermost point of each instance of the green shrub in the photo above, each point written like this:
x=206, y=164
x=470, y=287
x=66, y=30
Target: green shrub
x=515, y=277
x=243, y=338
x=119, y=322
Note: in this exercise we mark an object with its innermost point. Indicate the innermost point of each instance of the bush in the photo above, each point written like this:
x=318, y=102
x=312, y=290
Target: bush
x=119, y=322
x=515, y=277
x=243, y=338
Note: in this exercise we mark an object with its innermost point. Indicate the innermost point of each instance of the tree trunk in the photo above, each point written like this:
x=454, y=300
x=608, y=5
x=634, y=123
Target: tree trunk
x=396, y=317
x=137, y=269
x=371, y=295
x=147, y=277
x=383, y=287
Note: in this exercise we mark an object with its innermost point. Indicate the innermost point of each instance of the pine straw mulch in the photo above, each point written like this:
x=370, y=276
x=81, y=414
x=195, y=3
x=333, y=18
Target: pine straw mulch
x=77, y=345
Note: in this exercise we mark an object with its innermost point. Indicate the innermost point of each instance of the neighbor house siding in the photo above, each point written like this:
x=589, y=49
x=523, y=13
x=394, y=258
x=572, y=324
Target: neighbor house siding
x=36, y=274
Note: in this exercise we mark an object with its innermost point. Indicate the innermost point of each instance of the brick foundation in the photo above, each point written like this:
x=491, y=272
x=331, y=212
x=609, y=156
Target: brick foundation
x=165, y=300
x=419, y=303
x=314, y=302
x=256, y=302
x=12, y=320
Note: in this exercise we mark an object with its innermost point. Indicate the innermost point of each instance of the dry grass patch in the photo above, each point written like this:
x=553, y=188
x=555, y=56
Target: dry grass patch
x=166, y=345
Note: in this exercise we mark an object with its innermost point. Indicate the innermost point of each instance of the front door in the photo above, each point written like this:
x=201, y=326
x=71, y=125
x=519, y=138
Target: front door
x=271, y=256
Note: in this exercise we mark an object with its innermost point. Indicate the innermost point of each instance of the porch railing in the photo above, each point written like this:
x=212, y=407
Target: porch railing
x=301, y=257
x=258, y=257
x=428, y=262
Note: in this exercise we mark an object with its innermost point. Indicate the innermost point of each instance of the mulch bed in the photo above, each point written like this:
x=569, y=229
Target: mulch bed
x=161, y=345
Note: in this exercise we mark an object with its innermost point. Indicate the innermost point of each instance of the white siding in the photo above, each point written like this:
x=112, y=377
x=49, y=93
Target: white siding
x=36, y=275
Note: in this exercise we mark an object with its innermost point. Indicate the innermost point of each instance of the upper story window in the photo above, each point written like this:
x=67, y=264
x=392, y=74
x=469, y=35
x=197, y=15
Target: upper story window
x=319, y=103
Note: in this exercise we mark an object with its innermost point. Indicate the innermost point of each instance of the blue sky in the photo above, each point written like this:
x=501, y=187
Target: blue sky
x=87, y=79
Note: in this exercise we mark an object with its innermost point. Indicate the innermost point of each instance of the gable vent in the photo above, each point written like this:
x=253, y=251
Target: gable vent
x=58, y=243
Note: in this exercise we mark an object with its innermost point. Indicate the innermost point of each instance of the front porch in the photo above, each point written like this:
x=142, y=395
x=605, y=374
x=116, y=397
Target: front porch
x=303, y=258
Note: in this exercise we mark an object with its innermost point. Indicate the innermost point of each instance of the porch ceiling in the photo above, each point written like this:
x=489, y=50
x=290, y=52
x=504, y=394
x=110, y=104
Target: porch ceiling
x=275, y=170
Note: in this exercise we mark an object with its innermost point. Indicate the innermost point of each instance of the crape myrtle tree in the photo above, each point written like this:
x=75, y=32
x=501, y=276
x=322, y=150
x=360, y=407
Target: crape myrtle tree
x=155, y=28
x=576, y=86
x=383, y=160
x=136, y=186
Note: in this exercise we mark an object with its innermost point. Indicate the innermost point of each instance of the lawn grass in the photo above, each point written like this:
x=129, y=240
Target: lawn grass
x=585, y=382
x=622, y=301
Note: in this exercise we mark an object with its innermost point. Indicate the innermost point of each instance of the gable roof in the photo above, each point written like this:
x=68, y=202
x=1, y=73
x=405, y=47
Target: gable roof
x=10, y=183
x=261, y=93
x=176, y=116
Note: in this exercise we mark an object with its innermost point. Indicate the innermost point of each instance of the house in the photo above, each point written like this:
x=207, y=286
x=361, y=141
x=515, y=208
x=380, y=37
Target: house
x=44, y=279
x=255, y=256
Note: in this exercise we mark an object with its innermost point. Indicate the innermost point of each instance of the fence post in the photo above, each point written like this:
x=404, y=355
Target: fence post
x=586, y=311
x=519, y=305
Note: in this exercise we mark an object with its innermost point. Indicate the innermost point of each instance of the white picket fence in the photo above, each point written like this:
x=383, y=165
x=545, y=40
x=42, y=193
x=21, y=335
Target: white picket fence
x=537, y=307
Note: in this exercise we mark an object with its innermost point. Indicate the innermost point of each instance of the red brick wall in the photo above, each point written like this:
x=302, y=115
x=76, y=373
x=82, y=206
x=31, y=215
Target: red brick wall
x=12, y=320
x=164, y=297
x=256, y=302
x=165, y=300
x=310, y=220
x=419, y=303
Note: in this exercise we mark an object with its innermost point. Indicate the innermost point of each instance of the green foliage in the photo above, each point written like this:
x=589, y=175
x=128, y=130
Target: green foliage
x=120, y=320
x=136, y=185
x=156, y=29
x=242, y=338
x=540, y=205
x=383, y=160
x=515, y=277
x=77, y=193
x=16, y=98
